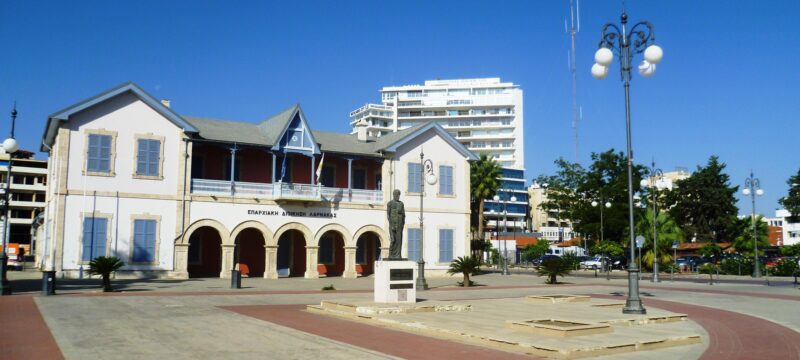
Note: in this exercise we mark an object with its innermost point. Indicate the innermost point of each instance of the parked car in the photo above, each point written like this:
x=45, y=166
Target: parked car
x=537, y=262
x=594, y=263
x=688, y=262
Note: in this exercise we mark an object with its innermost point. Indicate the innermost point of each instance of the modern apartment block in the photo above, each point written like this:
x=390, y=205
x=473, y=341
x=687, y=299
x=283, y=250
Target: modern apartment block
x=485, y=115
x=548, y=224
x=28, y=188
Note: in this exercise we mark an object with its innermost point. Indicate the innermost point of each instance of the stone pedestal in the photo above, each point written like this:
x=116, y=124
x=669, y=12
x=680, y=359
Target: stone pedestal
x=395, y=281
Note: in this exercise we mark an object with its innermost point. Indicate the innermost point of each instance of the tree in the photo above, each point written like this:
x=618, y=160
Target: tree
x=790, y=250
x=104, y=266
x=668, y=233
x=535, y=250
x=744, y=240
x=608, y=248
x=562, y=189
x=791, y=202
x=711, y=250
x=703, y=204
x=467, y=265
x=553, y=267
x=484, y=175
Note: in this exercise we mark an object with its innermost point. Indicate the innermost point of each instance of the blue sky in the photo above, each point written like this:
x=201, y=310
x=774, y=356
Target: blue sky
x=727, y=85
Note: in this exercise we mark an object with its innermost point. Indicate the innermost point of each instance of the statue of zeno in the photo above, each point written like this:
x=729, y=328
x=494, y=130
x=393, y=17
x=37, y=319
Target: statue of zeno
x=396, y=212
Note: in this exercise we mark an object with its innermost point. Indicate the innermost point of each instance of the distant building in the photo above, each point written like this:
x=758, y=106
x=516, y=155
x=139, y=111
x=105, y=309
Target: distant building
x=790, y=232
x=548, y=224
x=28, y=188
x=485, y=115
x=671, y=177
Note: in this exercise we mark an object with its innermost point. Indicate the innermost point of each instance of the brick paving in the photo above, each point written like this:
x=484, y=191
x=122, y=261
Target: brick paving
x=23, y=332
x=390, y=342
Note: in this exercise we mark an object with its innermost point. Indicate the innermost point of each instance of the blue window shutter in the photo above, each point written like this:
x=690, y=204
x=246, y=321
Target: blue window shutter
x=414, y=180
x=154, y=158
x=446, y=180
x=445, y=245
x=150, y=230
x=414, y=238
x=87, y=239
x=144, y=240
x=100, y=231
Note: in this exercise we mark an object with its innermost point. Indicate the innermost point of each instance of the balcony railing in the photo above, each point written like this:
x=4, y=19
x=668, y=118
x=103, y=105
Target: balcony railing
x=285, y=191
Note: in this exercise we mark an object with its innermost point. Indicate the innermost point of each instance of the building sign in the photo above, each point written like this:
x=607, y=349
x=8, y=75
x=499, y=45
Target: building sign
x=322, y=213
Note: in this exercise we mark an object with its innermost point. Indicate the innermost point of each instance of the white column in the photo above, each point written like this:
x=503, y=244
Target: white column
x=349, y=263
x=227, y=261
x=271, y=262
x=181, y=270
x=311, y=262
x=274, y=159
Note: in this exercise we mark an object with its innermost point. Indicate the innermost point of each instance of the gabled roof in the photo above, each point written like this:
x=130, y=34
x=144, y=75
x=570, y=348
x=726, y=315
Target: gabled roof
x=64, y=114
x=399, y=139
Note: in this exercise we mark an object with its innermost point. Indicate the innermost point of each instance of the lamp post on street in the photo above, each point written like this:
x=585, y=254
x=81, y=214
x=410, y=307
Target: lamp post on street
x=602, y=232
x=640, y=39
x=497, y=198
x=752, y=187
x=426, y=174
x=11, y=146
x=653, y=185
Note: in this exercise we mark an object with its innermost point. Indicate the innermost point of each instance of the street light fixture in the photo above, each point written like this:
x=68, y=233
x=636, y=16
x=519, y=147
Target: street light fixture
x=602, y=234
x=426, y=174
x=497, y=198
x=752, y=187
x=640, y=39
x=11, y=146
x=651, y=182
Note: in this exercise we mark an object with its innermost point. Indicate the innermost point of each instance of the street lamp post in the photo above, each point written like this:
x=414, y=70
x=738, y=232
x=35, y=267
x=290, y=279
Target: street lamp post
x=651, y=182
x=640, y=39
x=602, y=233
x=10, y=145
x=752, y=187
x=496, y=198
x=426, y=173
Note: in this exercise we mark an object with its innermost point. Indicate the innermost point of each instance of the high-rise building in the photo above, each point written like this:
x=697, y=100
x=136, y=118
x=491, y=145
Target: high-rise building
x=483, y=114
x=28, y=185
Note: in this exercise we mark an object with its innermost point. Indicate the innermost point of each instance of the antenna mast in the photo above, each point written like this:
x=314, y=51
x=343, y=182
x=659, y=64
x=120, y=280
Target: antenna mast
x=575, y=27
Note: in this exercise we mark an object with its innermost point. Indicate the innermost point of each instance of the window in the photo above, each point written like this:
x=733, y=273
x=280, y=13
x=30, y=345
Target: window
x=445, y=245
x=144, y=241
x=414, y=240
x=98, y=158
x=414, y=177
x=94, y=237
x=359, y=179
x=326, y=250
x=445, y=180
x=328, y=176
x=148, y=157
x=197, y=167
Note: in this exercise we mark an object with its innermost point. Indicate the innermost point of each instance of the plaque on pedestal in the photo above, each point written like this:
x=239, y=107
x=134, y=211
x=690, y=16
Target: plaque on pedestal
x=395, y=281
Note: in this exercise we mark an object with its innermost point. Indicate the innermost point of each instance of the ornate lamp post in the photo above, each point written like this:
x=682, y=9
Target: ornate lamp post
x=752, y=187
x=602, y=233
x=505, y=228
x=640, y=39
x=426, y=174
x=651, y=182
x=10, y=145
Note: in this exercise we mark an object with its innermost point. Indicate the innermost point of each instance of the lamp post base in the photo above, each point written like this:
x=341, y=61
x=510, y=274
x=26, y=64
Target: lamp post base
x=5, y=286
x=236, y=279
x=48, y=283
x=421, y=283
x=655, y=278
x=633, y=304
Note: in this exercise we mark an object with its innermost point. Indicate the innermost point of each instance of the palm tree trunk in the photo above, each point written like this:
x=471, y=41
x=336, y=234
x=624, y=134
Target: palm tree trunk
x=480, y=219
x=466, y=280
x=107, y=283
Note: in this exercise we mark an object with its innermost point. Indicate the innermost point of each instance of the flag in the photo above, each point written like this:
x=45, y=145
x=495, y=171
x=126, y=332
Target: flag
x=319, y=168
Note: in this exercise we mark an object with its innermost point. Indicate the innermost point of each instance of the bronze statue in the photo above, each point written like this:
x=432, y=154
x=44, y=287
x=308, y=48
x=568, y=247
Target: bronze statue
x=396, y=212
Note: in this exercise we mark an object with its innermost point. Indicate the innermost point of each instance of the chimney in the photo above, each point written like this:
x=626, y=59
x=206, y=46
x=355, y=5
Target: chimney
x=165, y=102
x=361, y=130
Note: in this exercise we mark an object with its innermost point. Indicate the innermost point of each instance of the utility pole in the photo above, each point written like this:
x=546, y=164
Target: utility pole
x=574, y=28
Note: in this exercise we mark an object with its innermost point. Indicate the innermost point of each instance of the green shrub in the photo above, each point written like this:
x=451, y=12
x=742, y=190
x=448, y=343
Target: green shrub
x=737, y=266
x=104, y=266
x=553, y=267
x=783, y=267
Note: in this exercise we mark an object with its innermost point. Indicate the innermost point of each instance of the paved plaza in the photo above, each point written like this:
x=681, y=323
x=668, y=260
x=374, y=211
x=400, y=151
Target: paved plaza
x=736, y=318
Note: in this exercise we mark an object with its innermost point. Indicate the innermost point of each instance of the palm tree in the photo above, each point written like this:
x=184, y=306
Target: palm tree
x=467, y=265
x=104, y=266
x=744, y=240
x=484, y=175
x=553, y=267
x=668, y=233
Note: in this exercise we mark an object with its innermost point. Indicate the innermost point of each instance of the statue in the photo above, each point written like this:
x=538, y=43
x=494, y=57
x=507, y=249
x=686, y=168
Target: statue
x=396, y=212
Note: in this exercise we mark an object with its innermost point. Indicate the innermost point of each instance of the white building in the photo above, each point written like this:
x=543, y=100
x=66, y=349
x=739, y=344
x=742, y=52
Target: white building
x=486, y=115
x=181, y=196
x=549, y=224
x=791, y=231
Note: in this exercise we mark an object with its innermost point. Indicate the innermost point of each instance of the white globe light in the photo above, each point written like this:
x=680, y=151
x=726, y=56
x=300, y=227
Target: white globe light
x=603, y=56
x=10, y=145
x=594, y=203
x=643, y=183
x=599, y=72
x=513, y=199
x=760, y=192
x=430, y=179
x=653, y=54
x=608, y=204
x=746, y=191
x=496, y=198
x=647, y=69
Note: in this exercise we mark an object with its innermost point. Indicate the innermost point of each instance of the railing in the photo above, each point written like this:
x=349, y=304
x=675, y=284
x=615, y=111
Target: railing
x=286, y=191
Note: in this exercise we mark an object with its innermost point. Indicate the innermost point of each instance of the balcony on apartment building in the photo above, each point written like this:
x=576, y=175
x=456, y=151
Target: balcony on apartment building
x=259, y=173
